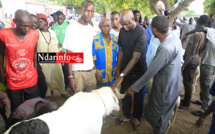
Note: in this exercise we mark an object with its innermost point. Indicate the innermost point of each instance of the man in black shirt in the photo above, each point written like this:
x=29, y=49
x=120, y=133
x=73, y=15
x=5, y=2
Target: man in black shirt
x=132, y=41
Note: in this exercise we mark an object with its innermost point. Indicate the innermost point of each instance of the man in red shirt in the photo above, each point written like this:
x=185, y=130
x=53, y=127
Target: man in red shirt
x=18, y=45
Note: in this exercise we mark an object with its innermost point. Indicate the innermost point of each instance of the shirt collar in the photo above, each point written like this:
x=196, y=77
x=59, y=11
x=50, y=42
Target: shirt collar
x=102, y=39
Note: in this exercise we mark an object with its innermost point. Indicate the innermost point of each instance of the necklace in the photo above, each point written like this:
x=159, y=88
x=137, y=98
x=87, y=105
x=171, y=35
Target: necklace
x=46, y=40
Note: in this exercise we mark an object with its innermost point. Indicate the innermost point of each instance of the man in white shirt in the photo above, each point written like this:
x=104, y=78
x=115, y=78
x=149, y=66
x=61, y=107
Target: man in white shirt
x=116, y=26
x=79, y=38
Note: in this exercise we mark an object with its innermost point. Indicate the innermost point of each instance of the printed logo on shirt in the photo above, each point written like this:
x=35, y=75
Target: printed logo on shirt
x=21, y=65
x=22, y=52
x=12, y=45
x=60, y=57
x=57, y=32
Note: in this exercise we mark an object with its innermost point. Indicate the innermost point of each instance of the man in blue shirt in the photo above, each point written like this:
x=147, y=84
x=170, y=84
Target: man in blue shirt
x=211, y=108
x=105, y=50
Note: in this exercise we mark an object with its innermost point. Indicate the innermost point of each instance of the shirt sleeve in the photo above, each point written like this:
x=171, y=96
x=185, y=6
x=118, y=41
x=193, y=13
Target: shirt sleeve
x=161, y=59
x=141, y=43
x=180, y=24
x=67, y=44
x=194, y=40
x=119, y=40
x=94, y=50
x=212, y=90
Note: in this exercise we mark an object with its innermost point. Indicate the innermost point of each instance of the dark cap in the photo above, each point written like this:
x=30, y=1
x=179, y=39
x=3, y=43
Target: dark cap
x=53, y=14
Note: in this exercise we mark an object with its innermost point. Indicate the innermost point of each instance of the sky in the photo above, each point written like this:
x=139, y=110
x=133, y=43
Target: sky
x=197, y=6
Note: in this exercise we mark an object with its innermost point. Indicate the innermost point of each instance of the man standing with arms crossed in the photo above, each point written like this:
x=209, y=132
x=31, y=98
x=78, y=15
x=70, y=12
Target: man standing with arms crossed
x=79, y=38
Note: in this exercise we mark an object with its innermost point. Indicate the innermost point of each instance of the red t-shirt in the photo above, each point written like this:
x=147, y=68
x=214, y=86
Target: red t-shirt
x=19, y=55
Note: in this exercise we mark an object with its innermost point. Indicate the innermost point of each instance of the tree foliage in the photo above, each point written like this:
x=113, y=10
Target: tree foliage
x=146, y=7
x=209, y=6
x=188, y=13
x=113, y=5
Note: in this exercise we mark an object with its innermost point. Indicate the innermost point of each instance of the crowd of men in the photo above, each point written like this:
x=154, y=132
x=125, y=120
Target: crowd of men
x=126, y=54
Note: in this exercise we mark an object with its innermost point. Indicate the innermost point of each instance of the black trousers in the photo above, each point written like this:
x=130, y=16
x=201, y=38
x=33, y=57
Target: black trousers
x=42, y=85
x=188, y=76
x=2, y=112
x=65, y=74
x=127, y=101
x=17, y=97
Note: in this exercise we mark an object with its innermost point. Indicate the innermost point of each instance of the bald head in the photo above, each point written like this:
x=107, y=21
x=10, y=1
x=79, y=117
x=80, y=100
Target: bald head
x=22, y=16
x=103, y=21
x=23, y=21
x=105, y=26
x=127, y=20
x=126, y=14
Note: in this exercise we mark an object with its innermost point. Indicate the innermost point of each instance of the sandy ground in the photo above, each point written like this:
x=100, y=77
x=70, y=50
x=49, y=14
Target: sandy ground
x=184, y=123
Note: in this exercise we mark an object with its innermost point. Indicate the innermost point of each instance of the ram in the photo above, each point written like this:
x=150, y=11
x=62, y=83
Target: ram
x=81, y=114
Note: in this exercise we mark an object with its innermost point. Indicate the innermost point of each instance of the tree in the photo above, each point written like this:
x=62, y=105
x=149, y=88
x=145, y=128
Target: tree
x=114, y=5
x=209, y=6
x=147, y=7
x=169, y=4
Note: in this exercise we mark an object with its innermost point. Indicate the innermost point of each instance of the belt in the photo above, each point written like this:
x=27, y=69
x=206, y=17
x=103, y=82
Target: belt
x=84, y=70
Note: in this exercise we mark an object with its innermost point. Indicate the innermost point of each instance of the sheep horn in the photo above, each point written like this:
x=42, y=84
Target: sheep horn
x=118, y=94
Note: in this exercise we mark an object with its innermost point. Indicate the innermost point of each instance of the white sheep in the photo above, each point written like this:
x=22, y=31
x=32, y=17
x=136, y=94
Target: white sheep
x=81, y=114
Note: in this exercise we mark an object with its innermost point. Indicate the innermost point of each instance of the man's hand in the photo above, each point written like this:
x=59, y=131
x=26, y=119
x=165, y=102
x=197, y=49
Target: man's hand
x=72, y=84
x=199, y=123
x=182, y=68
x=117, y=74
x=117, y=82
x=99, y=79
x=129, y=91
x=184, y=38
x=6, y=102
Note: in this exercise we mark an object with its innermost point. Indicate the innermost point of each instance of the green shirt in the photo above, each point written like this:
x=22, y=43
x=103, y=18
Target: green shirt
x=60, y=31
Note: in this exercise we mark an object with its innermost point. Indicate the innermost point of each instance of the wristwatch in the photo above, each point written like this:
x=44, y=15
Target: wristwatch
x=122, y=74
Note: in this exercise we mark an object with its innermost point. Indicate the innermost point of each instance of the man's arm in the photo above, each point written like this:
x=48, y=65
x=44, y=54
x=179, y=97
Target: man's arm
x=161, y=59
x=194, y=41
x=127, y=70
x=35, y=57
x=200, y=121
x=72, y=83
x=98, y=75
x=119, y=61
x=179, y=24
x=201, y=29
x=132, y=63
x=2, y=76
